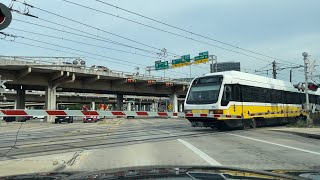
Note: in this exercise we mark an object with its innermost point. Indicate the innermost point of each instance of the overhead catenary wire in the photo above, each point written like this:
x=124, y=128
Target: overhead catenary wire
x=57, y=50
x=93, y=27
x=81, y=35
x=79, y=42
x=186, y=37
x=140, y=24
x=182, y=29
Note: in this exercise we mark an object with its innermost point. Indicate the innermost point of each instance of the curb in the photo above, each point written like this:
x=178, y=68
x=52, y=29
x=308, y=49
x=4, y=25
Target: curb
x=314, y=136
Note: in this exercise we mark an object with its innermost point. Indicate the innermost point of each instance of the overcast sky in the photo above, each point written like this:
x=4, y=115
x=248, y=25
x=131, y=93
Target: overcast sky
x=282, y=29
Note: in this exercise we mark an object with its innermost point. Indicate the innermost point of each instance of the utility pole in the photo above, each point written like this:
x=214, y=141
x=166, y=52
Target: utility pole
x=190, y=72
x=306, y=72
x=214, y=67
x=274, y=70
x=291, y=75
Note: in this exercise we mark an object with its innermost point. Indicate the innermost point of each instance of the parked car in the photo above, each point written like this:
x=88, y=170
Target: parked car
x=100, y=68
x=87, y=119
x=14, y=118
x=60, y=119
x=38, y=117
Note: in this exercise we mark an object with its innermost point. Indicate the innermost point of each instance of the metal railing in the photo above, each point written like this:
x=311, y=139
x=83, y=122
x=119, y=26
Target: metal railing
x=56, y=63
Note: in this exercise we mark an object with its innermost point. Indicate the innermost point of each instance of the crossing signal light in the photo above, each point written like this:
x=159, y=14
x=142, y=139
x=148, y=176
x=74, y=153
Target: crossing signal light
x=151, y=82
x=5, y=16
x=169, y=84
x=131, y=80
x=312, y=87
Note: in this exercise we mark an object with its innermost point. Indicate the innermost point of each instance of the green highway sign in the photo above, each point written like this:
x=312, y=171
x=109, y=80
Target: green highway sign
x=204, y=53
x=161, y=65
x=202, y=58
x=183, y=61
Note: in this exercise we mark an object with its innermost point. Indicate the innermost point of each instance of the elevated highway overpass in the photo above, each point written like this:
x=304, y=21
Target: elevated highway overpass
x=52, y=78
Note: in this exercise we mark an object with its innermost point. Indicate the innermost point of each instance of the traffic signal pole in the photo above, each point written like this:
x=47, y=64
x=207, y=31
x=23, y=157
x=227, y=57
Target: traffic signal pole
x=306, y=62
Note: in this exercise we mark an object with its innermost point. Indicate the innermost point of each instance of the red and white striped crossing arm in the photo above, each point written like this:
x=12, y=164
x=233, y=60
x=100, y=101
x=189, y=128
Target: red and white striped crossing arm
x=80, y=113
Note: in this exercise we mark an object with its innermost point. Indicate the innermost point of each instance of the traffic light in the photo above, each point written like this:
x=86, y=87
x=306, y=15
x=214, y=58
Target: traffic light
x=169, y=84
x=131, y=80
x=313, y=87
x=5, y=16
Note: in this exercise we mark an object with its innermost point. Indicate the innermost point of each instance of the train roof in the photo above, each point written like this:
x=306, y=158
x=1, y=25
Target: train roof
x=243, y=78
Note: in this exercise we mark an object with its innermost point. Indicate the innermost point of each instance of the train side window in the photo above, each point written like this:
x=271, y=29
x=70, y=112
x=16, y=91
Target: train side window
x=227, y=95
x=303, y=98
x=236, y=92
x=312, y=99
x=267, y=96
x=273, y=96
x=245, y=93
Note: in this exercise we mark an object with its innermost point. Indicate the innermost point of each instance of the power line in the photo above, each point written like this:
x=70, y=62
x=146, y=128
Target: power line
x=57, y=50
x=87, y=25
x=80, y=35
x=182, y=29
x=70, y=40
x=138, y=23
x=186, y=37
x=263, y=67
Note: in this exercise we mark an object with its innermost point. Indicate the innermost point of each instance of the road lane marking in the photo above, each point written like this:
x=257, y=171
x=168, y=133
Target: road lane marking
x=203, y=155
x=276, y=144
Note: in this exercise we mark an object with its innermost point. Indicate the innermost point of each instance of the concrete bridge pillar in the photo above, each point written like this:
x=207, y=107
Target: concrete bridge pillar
x=20, y=102
x=20, y=98
x=119, y=102
x=153, y=106
x=50, y=101
x=93, y=105
x=181, y=107
x=174, y=102
x=129, y=106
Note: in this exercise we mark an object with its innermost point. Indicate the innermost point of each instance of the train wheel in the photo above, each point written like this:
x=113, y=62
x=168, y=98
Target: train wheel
x=253, y=123
x=245, y=125
x=222, y=126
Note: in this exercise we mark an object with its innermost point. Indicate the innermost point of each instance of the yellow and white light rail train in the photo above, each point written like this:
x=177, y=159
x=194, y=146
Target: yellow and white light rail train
x=258, y=100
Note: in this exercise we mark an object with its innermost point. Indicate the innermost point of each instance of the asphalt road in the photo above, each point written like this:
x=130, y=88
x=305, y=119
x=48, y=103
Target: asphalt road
x=132, y=142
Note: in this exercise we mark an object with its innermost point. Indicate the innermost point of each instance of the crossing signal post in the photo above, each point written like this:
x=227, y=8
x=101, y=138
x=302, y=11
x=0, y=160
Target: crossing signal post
x=5, y=16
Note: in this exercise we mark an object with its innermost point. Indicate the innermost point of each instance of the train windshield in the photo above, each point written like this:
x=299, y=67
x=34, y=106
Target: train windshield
x=205, y=90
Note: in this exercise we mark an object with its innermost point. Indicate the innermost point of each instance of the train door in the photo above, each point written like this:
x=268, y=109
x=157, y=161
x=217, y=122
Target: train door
x=273, y=100
x=231, y=96
x=241, y=100
x=237, y=100
x=285, y=102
